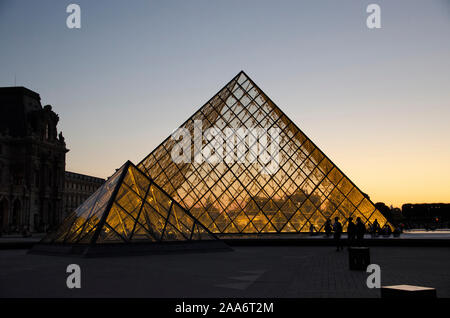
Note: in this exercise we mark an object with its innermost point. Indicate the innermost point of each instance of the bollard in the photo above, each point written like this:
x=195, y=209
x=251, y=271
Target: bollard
x=358, y=258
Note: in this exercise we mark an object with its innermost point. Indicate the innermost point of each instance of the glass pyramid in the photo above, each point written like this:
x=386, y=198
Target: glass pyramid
x=234, y=196
x=129, y=207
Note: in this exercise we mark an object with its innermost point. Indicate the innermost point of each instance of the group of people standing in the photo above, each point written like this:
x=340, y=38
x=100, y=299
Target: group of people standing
x=355, y=232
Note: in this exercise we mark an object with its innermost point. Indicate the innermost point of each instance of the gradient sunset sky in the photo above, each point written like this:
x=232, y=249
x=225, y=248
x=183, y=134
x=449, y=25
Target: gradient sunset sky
x=377, y=102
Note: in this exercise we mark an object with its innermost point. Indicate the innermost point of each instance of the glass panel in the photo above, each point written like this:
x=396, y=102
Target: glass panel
x=326, y=166
x=136, y=181
x=120, y=221
x=355, y=196
x=172, y=234
x=335, y=176
x=336, y=197
x=327, y=208
x=183, y=220
x=307, y=209
x=297, y=221
x=140, y=234
x=201, y=234
x=61, y=232
x=366, y=207
x=152, y=221
x=129, y=201
x=345, y=186
x=107, y=235
x=279, y=220
x=159, y=200
x=346, y=209
x=259, y=221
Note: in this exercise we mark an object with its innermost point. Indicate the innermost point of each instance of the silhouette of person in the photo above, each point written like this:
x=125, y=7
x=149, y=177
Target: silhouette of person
x=351, y=231
x=337, y=228
x=360, y=231
x=376, y=227
x=312, y=229
x=328, y=228
x=387, y=230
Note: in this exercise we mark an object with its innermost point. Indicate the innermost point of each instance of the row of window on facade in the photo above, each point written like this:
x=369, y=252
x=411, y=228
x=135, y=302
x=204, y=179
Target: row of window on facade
x=75, y=201
x=14, y=217
x=82, y=187
x=18, y=178
x=52, y=179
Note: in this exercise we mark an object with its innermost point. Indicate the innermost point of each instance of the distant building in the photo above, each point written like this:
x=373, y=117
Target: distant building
x=32, y=163
x=77, y=188
x=427, y=212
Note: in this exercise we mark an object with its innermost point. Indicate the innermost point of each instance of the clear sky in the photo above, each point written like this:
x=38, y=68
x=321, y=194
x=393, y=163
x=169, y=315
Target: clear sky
x=377, y=102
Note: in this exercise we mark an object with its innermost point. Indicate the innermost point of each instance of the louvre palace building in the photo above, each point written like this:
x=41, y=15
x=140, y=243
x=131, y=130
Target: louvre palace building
x=35, y=190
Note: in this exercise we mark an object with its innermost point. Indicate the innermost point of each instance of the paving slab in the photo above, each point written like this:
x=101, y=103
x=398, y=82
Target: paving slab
x=258, y=271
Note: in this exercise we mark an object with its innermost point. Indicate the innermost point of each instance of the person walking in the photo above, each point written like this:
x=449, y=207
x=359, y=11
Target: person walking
x=351, y=232
x=337, y=228
x=360, y=231
x=312, y=229
x=376, y=227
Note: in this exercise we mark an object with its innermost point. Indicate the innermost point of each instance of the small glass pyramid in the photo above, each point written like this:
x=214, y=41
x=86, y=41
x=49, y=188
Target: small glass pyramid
x=129, y=208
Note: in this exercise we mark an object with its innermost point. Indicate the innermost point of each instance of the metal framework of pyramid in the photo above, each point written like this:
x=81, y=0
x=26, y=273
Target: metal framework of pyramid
x=129, y=208
x=235, y=197
x=162, y=200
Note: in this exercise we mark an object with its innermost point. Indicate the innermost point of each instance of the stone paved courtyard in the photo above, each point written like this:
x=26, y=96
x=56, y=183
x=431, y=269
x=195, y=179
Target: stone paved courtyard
x=278, y=271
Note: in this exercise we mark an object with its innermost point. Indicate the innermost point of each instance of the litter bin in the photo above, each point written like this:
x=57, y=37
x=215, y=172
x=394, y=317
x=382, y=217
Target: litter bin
x=358, y=258
x=407, y=291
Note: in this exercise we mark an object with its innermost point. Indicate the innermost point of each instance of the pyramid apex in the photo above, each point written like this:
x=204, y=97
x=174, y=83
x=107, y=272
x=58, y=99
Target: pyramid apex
x=129, y=163
x=242, y=76
x=241, y=72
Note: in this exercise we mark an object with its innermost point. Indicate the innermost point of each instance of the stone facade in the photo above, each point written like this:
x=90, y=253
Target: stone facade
x=77, y=188
x=32, y=163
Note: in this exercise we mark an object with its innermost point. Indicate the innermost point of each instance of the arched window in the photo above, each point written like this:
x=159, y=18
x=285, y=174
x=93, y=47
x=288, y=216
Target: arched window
x=16, y=213
x=4, y=209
